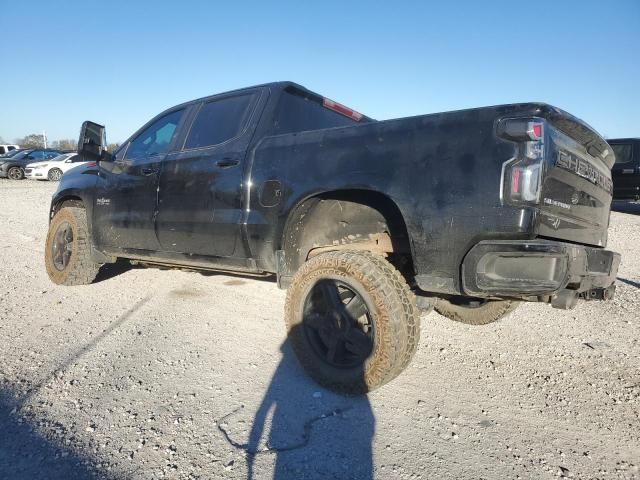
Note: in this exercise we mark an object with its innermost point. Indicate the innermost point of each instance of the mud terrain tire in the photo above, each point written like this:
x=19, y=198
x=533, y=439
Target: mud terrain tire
x=67, y=252
x=391, y=318
x=483, y=314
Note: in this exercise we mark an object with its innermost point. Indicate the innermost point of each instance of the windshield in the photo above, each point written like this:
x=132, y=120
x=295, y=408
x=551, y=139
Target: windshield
x=21, y=154
x=61, y=158
x=299, y=111
x=10, y=153
x=623, y=152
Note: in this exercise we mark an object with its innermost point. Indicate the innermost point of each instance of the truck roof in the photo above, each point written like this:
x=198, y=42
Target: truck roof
x=282, y=85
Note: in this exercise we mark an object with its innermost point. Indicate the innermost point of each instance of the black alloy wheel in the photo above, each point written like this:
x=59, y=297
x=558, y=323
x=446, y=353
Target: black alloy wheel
x=62, y=246
x=338, y=324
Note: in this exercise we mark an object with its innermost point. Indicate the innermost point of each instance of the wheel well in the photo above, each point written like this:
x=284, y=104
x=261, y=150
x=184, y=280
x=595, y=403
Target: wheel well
x=346, y=219
x=67, y=202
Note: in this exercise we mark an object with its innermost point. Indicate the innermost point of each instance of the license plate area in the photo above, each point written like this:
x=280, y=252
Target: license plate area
x=599, y=261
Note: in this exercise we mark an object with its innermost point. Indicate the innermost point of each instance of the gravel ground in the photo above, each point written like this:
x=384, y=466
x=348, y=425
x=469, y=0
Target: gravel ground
x=172, y=374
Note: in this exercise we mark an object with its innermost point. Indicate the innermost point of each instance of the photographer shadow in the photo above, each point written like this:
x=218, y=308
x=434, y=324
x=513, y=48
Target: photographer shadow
x=313, y=432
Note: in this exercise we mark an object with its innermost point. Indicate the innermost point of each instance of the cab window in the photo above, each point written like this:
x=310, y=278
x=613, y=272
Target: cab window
x=156, y=138
x=219, y=121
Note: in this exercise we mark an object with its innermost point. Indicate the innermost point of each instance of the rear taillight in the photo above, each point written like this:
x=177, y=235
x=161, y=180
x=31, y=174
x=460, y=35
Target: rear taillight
x=522, y=174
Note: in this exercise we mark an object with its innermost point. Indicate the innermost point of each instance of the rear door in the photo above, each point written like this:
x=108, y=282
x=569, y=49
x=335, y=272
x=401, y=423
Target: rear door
x=126, y=192
x=626, y=170
x=200, y=189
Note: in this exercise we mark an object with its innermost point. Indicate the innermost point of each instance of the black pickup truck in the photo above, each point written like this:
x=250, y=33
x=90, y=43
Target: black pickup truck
x=365, y=222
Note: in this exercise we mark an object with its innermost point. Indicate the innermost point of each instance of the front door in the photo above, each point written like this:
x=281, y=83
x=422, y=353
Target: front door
x=200, y=189
x=126, y=195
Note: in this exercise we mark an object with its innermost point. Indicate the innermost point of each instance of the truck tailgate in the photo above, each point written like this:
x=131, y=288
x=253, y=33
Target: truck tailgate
x=577, y=189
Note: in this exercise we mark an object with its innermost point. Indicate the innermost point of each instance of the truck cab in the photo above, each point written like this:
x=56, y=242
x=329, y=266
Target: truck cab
x=4, y=149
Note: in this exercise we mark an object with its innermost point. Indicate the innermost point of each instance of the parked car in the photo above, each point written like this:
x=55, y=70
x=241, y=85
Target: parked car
x=53, y=169
x=473, y=211
x=13, y=167
x=11, y=153
x=4, y=148
x=626, y=170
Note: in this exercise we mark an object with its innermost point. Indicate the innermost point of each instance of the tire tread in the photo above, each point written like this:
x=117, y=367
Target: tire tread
x=394, y=301
x=82, y=270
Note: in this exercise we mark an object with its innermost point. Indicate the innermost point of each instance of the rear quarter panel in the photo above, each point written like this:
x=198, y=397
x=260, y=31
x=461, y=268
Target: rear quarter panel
x=442, y=171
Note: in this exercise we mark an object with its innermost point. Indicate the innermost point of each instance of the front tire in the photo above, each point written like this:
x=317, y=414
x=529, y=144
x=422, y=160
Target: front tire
x=15, y=173
x=54, y=174
x=352, y=320
x=475, y=311
x=67, y=251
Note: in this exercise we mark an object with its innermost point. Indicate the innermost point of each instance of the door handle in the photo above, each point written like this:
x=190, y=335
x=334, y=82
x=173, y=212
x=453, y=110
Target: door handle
x=627, y=171
x=227, y=162
x=149, y=171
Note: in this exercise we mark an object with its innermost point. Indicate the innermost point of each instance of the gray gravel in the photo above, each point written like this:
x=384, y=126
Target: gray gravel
x=172, y=374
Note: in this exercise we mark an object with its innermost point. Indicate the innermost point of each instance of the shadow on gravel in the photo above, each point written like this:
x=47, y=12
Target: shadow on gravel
x=110, y=270
x=624, y=206
x=76, y=354
x=629, y=282
x=313, y=432
x=25, y=454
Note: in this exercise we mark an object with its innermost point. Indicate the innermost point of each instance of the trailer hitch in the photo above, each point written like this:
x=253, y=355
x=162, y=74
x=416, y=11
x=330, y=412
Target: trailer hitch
x=599, y=293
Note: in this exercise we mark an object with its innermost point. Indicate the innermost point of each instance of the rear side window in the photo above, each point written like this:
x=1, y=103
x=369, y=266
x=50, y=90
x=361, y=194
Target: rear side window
x=623, y=152
x=298, y=113
x=219, y=121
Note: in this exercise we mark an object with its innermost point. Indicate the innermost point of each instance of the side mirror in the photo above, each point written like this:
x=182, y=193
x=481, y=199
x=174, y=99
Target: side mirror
x=92, y=144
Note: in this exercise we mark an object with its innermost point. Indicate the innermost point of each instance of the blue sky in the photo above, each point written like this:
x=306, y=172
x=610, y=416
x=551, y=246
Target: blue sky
x=120, y=63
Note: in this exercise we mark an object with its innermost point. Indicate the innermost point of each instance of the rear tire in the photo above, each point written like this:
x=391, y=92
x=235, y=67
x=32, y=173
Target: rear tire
x=54, y=174
x=384, y=332
x=465, y=311
x=15, y=173
x=67, y=252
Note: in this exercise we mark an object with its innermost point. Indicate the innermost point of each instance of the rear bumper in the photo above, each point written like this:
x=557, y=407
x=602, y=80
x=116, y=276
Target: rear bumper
x=556, y=271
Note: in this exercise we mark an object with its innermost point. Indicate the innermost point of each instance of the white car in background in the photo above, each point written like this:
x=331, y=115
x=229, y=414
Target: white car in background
x=54, y=168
